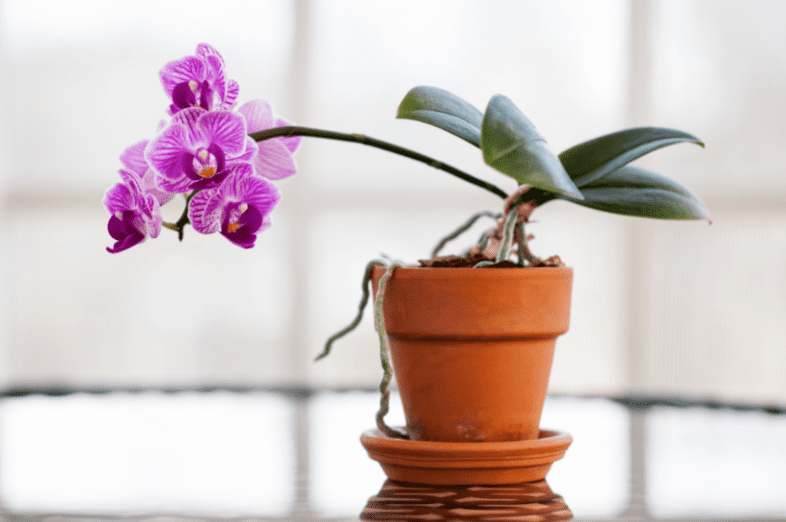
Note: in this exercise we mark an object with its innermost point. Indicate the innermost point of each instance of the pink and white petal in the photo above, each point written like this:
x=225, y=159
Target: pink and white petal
x=273, y=160
x=240, y=170
x=260, y=193
x=266, y=223
x=119, y=198
x=189, y=117
x=225, y=194
x=206, y=50
x=258, y=115
x=154, y=218
x=134, y=184
x=215, y=70
x=250, y=152
x=164, y=153
x=182, y=70
x=175, y=186
x=131, y=179
x=225, y=129
x=203, y=221
x=293, y=142
x=230, y=97
x=230, y=190
x=133, y=158
x=149, y=182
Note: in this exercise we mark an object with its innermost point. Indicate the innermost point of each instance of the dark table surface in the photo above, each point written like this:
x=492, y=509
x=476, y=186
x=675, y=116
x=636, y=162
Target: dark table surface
x=294, y=454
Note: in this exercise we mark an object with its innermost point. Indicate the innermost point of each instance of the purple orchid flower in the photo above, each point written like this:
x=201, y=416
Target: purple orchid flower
x=196, y=149
x=135, y=214
x=274, y=157
x=199, y=81
x=133, y=159
x=239, y=208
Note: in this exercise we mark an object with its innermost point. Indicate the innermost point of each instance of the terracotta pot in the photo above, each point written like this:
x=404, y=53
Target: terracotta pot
x=472, y=348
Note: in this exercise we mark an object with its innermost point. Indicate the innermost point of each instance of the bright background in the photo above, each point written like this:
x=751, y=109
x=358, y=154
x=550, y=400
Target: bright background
x=667, y=308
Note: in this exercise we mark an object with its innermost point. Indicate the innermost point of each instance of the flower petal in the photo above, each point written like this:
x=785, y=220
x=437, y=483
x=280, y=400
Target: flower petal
x=133, y=158
x=165, y=153
x=260, y=196
x=153, y=218
x=225, y=129
x=232, y=91
x=182, y=70
x=250, y=152
x=293, y=142
x=206, y=50
x=151, y=187
x=204, y=222
x=260, y=193
x=189, y=118
x=119, y=199
x=124, y=231
x=258, y=115
x=174, y=186
x=245, y=236
x=273, y=160
x=134, y=184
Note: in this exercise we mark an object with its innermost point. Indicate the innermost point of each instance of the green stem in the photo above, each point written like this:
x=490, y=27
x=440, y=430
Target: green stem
x=290, y=131
x=384, y=351
x=179, y=225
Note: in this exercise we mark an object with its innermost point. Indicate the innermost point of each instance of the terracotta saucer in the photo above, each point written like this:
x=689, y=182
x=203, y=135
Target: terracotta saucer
x=466, y=463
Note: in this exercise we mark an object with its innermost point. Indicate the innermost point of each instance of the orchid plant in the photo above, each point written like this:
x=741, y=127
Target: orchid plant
x=223, y=160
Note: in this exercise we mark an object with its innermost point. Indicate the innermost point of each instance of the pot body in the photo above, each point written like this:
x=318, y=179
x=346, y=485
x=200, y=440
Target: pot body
x=472, y=348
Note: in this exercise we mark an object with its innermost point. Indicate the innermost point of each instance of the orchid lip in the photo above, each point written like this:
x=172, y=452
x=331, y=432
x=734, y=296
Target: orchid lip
x=207, y=172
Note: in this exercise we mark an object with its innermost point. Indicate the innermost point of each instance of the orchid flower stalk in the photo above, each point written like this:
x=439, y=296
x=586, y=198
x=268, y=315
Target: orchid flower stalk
x=225, y=159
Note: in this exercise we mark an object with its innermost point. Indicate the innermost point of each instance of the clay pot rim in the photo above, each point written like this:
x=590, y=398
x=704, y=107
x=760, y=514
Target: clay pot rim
x=466, y=457
x=467, y=269
x=452, y=273
x=549, y=441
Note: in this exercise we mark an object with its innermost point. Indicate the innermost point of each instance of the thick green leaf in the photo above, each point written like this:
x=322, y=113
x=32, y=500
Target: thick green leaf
x=511, y=144
x=632, y=191
x=442, y=109
x=591, y=160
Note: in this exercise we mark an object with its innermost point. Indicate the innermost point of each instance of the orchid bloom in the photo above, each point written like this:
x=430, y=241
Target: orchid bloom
x=133, y=159
x=239, y=208
x=135, y=214
x=199, y=81
x=274, y=157
x=194, y=150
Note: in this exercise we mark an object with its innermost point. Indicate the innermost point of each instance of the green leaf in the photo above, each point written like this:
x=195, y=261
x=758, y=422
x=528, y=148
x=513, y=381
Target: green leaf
x=511, y=144
x=442, y=109
x=632, y=191
x=591, y=160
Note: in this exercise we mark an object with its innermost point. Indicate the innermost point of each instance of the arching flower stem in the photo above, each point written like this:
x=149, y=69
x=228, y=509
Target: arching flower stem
x=289, y=131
